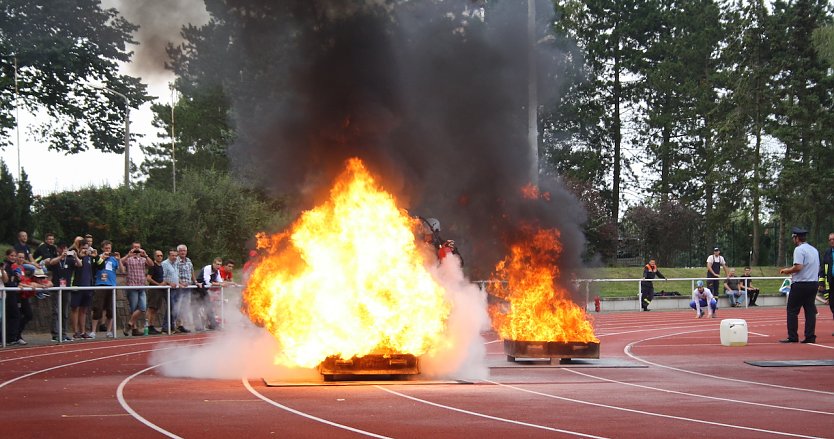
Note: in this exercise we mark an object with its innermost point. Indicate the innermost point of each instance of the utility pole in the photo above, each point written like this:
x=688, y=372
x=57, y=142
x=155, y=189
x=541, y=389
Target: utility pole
x=173, y=143
x=127, y=132
x=532, y=96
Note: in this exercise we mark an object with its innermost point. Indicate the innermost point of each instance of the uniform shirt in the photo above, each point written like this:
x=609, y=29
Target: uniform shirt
x=45, y=251
x=808, y=256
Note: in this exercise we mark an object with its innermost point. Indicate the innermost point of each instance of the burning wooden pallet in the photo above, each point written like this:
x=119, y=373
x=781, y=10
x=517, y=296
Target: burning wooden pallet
x=533, y=350
x=394, y=365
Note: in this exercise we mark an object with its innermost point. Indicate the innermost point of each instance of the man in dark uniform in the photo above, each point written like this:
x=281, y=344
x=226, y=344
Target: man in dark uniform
x=826, y=275
x=804, y=283
x=650, y=271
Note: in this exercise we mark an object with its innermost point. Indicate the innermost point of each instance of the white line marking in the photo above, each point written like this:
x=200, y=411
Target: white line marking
x=114, y=346
x=628, y=352
x=699, y=421
x=251, y=390
x=698, y=395
x=6, y=383
x=494, y=418
x=95, y=416
x=760, y=335
x=121, y=397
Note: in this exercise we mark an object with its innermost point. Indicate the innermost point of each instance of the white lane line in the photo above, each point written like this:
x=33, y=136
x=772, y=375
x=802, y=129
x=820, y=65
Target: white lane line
x=756, y=333
x=696, y=395
x=481, y=415
x=6, y=383
x=660, y=415
x=109, y=346
x=95, y=416
x=251, y=390
x=121, y=397
x=628, y=352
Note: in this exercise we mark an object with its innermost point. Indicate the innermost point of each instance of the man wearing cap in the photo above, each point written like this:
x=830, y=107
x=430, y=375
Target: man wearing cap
x=804, y=282
x=703, y=298
x=714, y=263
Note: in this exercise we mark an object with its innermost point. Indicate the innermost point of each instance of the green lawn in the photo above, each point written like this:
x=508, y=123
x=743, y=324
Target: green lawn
x=630, y=289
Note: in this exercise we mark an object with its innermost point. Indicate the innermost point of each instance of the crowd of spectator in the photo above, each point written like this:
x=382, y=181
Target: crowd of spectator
x=83, y=313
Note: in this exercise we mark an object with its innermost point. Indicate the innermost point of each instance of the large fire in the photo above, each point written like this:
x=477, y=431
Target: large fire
x=538, y=309
x=348, y=279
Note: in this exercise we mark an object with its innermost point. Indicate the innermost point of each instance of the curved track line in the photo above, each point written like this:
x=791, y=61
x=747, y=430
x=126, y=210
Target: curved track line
x=716, y=398
x=6, y=383
x=70, y=351
x=628, y=352
x=677, y=418
x=494, y=418
x=251, y=390
x=121, y=397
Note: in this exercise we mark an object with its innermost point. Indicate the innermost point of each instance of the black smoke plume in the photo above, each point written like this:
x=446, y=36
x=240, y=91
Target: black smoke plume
x=432, y=95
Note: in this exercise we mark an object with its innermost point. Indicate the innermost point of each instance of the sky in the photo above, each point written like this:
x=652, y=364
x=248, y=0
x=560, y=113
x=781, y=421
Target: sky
x=48, y=170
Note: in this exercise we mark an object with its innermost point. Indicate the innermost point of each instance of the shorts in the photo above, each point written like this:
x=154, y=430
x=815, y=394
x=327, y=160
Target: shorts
x=156, y=298
x=104, y=306
x=137, y=300
x=82, y=299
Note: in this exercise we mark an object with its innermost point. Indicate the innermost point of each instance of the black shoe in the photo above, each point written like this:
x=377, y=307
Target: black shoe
x=809, y=340
x=153, y=331
x=788, y=340
x=182, y=330
x=752, y=304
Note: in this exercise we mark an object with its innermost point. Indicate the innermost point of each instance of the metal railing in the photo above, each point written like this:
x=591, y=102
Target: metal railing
x=584, y=285
x=114, y=316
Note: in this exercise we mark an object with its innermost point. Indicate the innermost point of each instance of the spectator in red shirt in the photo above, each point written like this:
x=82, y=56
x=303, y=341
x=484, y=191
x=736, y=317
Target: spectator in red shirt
x=136, y=263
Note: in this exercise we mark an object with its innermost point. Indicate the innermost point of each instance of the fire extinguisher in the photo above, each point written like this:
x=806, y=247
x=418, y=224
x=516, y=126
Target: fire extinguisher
x=597, y=304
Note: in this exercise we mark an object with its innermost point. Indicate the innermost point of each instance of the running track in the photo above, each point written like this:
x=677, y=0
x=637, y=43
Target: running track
x=685, y=384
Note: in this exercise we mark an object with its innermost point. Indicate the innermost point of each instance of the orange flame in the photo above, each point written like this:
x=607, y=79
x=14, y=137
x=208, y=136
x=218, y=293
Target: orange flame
x=538, y=309
x=348, y=279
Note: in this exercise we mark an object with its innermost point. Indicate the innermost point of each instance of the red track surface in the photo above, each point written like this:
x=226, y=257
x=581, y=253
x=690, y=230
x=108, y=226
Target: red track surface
x=690, y=386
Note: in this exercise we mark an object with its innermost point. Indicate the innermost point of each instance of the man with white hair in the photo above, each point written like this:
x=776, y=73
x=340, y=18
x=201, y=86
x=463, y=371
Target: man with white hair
x=185, y=270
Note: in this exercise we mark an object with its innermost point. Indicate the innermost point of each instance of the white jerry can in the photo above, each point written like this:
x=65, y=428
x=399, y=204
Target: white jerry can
x=733, y=332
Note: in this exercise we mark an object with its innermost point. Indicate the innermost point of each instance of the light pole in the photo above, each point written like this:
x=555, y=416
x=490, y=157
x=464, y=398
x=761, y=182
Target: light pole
x=127, y=131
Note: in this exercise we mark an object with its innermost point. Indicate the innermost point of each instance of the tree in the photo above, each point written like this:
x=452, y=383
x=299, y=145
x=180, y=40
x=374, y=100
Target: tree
x=749, y=59
x=202, y=130
x=8, y=205
x=611, y=35
x=23, y=201
x=802, y=118
x=53, y=56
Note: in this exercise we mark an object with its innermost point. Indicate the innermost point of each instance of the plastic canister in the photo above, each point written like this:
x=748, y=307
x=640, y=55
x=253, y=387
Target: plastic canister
x=733, y=332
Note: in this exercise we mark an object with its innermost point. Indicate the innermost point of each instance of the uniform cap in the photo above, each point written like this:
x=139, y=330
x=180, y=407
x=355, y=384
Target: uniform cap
x=699, y=283
x=798, y=231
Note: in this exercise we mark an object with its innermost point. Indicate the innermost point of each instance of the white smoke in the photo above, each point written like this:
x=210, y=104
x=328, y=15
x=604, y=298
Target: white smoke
x=463, y=354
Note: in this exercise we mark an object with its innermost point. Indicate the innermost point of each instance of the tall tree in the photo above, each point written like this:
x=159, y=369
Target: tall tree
x=802, y=88
x=54, y=54
x=8, y=205
x=611, y=34
x=748, y=58
x=23, y=201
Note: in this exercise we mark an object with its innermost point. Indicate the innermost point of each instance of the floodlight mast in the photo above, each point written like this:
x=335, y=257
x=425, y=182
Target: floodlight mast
x=127, y=131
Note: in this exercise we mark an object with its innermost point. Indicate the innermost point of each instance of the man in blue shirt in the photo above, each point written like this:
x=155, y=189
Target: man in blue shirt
x=805, y=280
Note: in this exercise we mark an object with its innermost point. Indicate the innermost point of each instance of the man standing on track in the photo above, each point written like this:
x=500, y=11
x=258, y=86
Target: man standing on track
x=804, y=282
x=827, y=273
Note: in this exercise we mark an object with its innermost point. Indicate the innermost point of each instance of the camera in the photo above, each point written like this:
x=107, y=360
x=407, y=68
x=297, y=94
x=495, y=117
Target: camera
x=137, y=251
x=70, y=252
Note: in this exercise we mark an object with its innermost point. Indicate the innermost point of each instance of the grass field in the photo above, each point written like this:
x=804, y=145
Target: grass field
x=630, y=289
